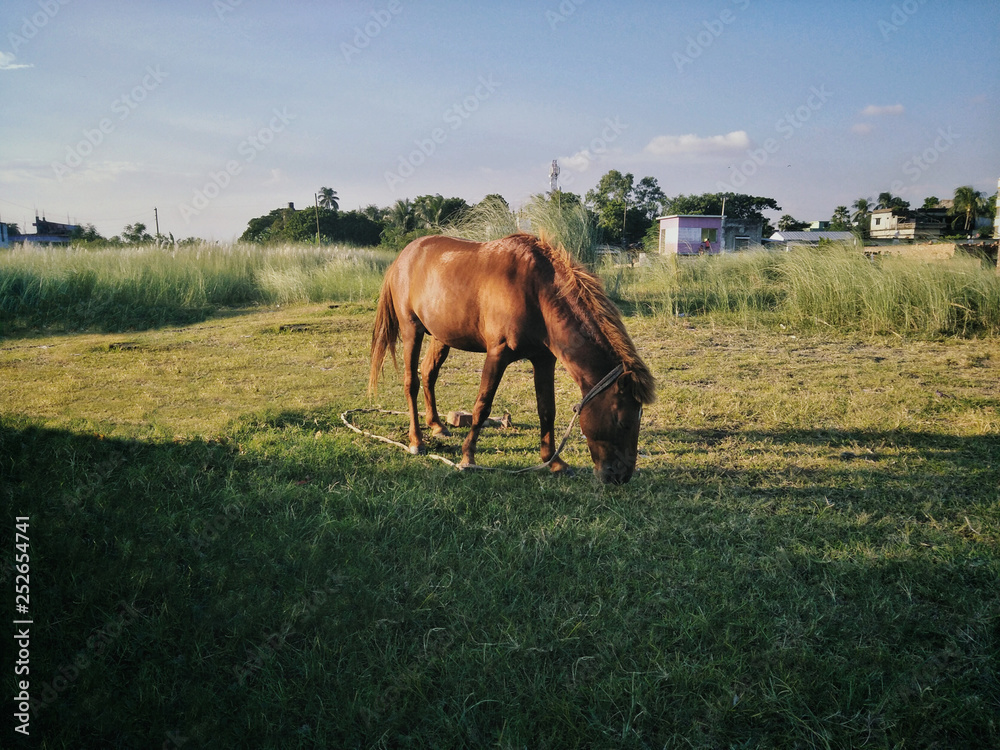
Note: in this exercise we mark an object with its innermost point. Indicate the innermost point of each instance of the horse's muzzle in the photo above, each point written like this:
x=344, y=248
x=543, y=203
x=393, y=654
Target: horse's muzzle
x=614, y=472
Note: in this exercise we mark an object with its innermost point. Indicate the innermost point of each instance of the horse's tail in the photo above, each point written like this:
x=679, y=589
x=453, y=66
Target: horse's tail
x=384, y=335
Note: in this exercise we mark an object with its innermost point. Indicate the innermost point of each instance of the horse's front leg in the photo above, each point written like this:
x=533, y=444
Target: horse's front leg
x=435, y=357
x=545, y=397
x=412, y=338
x=496, y=362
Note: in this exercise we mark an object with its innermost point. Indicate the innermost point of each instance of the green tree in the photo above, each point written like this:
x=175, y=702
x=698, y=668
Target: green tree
x=375, y=213
x=400, y=216
x=648, y=199
x=624, y=209
x=738, y=205
x=136, y=234
x=434, y=211
x=610, y=200
x=862, y=215
x=841, y=219
x=85, y=233
x=888, y=200
x=931, y=201
x=789, y=224
x=289, y=225
x=328, y=198
x=966, y=208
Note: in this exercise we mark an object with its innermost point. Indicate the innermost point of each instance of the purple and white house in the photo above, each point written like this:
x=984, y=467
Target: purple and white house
x=690, y=235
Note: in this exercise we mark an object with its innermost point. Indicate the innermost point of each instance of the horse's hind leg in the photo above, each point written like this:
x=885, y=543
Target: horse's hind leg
x=435, y=357
x=412, y=338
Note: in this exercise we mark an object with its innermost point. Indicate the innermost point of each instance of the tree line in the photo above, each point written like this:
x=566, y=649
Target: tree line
x=623, y=211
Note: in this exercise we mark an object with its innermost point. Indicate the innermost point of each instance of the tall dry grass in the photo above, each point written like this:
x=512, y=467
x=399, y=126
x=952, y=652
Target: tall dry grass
x=113, y=288
x=835, y=288
x=561, y=222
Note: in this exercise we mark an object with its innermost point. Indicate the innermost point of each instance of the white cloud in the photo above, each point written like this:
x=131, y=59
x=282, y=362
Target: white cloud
x=578, y=161
x=694, y=145
x=98, y=171
x=862, y=128
x=873, y=110
x=7, y=62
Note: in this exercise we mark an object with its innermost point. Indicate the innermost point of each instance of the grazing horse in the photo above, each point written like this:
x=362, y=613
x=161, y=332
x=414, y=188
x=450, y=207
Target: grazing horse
x=515, y=298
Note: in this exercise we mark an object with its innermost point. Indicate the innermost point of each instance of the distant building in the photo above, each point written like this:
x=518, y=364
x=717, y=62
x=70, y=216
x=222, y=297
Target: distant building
x=818, y=226
x=996, y=220
x=907, y=224
x=47, y=233
x=688, y=234
x=811, y=238
x=740, y=234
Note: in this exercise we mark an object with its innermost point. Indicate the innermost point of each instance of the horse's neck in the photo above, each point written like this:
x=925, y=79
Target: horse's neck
x=585, y=360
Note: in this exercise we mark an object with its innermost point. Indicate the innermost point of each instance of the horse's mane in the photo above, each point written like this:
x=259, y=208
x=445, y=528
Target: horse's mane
x=583, y=295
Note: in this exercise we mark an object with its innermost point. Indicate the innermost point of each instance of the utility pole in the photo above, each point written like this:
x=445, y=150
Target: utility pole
x=722, y=229
x=156, y=220
x=624, y=217
x=316, y=200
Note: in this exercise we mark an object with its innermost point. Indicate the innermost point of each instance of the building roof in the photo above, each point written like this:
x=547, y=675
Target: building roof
x=690, y=216
x=811, y=236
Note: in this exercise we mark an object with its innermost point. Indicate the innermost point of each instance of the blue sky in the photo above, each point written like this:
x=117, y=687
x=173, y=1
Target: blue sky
x=217, y=111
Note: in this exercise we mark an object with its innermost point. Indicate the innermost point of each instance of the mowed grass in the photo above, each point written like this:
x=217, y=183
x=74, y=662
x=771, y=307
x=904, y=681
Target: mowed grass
x=808, y=558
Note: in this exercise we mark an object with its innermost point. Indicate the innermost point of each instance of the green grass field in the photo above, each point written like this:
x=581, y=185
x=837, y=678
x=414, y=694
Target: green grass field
x=810, y=556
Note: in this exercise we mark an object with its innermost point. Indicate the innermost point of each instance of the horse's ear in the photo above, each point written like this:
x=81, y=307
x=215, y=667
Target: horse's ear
x=626, y=384
x=638, y=385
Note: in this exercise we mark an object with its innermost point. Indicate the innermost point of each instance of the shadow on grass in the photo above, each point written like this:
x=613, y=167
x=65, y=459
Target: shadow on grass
x=286, y=589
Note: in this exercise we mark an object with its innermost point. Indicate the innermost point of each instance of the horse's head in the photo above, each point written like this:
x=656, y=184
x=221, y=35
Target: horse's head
x=610, y=422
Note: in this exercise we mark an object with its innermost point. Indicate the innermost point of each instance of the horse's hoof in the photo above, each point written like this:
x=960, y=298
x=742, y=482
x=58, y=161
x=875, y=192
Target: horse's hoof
x=439, y=430
x=563, y=470
x=417, y=450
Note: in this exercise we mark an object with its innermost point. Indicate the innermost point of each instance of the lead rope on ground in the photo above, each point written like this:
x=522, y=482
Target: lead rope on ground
x=601, y=386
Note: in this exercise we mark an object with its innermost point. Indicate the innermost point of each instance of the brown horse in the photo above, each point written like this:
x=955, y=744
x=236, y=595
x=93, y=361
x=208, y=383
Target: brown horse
x=515, y=298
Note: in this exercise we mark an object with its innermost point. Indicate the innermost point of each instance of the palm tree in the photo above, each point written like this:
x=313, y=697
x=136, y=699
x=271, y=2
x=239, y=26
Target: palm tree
x=841, y=219
x=430, y=210
x=328, y=198
x=862, y=215
x=968, y=204
x=788, y=224
x=401, y=214
x=373, y=212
